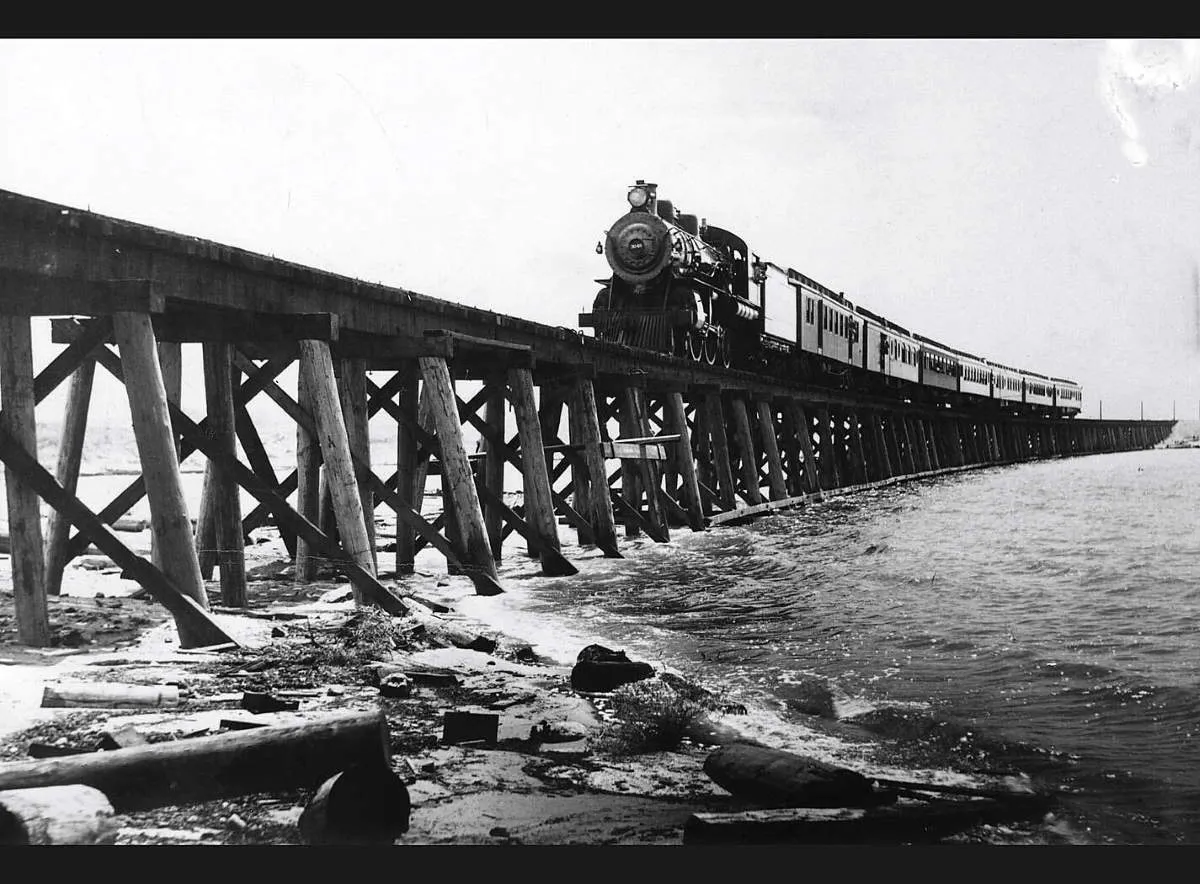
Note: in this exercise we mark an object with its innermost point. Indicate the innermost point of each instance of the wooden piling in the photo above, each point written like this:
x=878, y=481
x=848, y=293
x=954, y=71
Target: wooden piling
x=537, y=497
x=676, y=415
x=649, y=472
x=859, y=458
x=706, y=474
x=406, y=465
x=170, y=361
x=631, y=483
x=830, y=477
x=775, y=476
x=24, y=516
x=746, y=452
x=585, y=432
x=308, y=483
x=316, y=364
x=458, y=478
x=226, y=501
x=804, y=433
x=351, y=379
x=788, y=441
x=715, y=420
x=495, y=412
x=150, y=411
x=70, y=455
x=912, y=461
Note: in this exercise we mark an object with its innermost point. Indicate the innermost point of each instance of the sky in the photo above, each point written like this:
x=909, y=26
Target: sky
x=1033, y=202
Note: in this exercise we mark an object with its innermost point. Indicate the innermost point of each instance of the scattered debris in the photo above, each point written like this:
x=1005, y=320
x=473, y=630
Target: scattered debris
x=465, y=727
x=395, y=684
x=253, y=701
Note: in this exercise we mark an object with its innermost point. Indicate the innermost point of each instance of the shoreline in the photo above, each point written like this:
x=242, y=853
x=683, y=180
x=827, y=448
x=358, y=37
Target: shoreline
x=515, y=791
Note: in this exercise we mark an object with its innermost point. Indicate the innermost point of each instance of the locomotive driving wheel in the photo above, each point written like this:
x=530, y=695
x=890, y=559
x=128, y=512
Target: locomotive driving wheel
x=726, y=352
x=694, y=345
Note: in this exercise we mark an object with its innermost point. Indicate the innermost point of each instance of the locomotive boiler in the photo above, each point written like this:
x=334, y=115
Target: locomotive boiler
x=679, y=285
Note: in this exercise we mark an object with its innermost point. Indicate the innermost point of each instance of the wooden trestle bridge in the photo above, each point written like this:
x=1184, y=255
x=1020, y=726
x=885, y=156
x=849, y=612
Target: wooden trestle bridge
x=602, y=435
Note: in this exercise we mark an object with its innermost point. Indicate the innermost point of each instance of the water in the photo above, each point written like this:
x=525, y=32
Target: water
x=1039, y=618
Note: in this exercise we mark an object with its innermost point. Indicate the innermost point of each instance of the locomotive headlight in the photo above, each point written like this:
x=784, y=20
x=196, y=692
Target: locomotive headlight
x=638, y=197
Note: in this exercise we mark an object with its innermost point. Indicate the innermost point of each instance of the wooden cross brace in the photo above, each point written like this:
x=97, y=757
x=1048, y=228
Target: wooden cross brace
x=484, y=584
x=367, y=583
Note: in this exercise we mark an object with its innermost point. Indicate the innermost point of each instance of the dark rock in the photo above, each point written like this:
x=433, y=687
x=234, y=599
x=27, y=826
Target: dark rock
x=600, y=670
x=809, y=696
x=255, y=702
x=525, y=654
x=601, y=654
x=361, y=806
x=465, y=727
x=499, y=832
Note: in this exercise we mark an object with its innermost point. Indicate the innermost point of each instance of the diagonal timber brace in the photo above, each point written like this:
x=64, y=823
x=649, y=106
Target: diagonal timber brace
x=372, y=589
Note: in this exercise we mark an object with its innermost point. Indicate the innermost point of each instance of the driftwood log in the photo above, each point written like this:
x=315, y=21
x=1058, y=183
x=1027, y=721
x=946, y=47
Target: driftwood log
x=359, y=806
x=898, y=823
x=56, y=815
x=109, y=696
x=774, y=777
x=204, y=768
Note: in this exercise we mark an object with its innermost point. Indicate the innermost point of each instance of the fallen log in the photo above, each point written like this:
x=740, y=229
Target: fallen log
x=897, y=823
x=56, y=815
x=774, y=777
x=109, y=696
x=359, y=806
x=266, y=759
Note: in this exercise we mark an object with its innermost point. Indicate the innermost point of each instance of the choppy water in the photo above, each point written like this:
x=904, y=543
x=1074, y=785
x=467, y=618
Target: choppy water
x=1039, y=618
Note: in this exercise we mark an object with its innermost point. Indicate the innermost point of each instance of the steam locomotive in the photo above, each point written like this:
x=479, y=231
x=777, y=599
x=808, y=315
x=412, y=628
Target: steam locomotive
x=685, y=287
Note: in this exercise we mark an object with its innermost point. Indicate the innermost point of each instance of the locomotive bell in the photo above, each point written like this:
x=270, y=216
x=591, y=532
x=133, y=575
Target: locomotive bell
x=638, y=247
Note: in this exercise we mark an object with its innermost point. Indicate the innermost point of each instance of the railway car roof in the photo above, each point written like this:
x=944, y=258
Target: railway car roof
x=934, y=343
x=813, y=284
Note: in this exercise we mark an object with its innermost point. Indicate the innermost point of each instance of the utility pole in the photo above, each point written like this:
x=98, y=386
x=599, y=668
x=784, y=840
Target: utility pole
x=1142, y=407
x=1101, y=409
